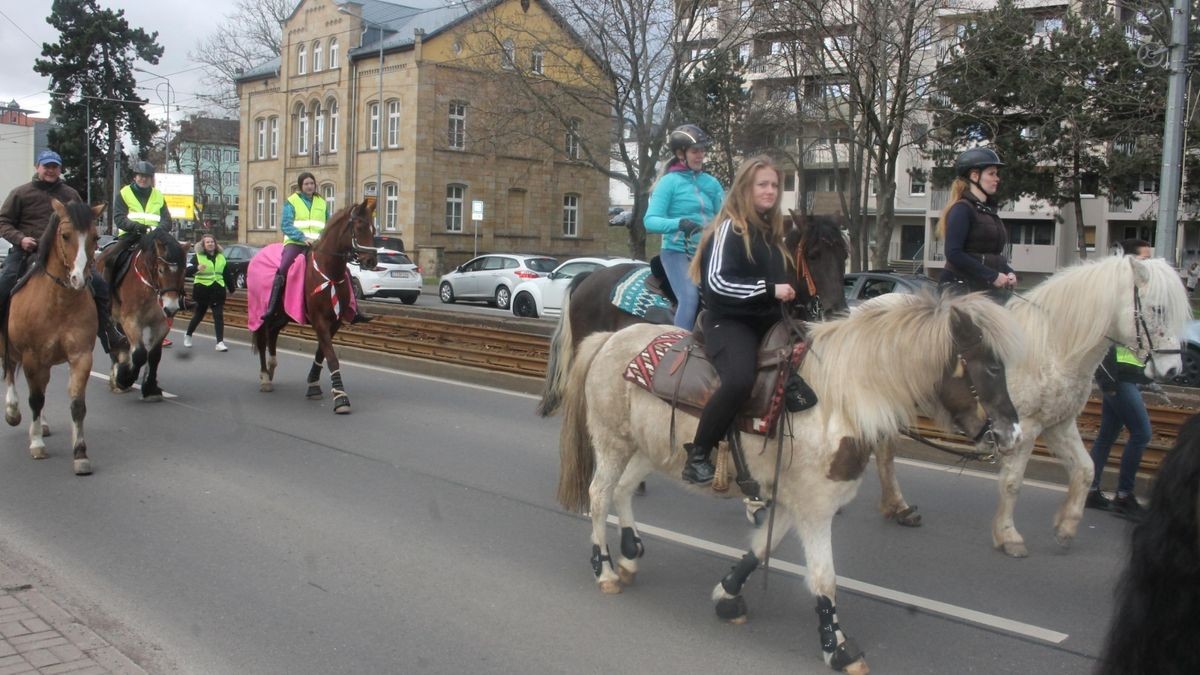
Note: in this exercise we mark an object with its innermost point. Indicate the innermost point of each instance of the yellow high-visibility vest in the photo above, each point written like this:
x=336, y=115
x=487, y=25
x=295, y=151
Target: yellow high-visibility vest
x=148, y=214
x=310, y=221
x=210, y=271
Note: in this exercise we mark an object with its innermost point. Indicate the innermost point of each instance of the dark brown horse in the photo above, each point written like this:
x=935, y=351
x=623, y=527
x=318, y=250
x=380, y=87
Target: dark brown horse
x=52, y=320
x=819, y=252
x=143, y=299
x=327, y=298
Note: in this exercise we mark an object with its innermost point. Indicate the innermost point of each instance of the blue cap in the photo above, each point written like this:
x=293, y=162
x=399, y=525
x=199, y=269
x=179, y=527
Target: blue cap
x=48, y=157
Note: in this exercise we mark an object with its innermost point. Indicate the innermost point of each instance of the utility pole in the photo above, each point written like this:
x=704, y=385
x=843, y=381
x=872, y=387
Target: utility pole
x=1170, y=175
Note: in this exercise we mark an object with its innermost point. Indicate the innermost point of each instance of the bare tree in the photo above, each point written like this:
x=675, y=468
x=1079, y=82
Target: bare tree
x=247, y=37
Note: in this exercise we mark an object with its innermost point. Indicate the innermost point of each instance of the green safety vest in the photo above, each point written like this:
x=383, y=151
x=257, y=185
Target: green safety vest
x=148, y=215
x=309, y=221
x=209, y=271
x=1127, y=357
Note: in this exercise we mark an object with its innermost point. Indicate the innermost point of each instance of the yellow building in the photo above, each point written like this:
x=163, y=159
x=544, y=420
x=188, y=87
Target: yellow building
x=455, y=123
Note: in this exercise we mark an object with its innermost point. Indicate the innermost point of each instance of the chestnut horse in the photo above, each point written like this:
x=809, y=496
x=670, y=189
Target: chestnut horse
x=52, y=320
x=143, y=300
x=350, y=233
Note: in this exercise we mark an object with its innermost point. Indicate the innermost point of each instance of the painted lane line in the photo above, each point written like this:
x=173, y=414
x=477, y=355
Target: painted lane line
x=865, y=588
x=104, y=376
x=974, y=473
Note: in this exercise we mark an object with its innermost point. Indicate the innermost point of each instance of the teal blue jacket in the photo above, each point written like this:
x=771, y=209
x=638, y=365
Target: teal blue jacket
x=679, y=195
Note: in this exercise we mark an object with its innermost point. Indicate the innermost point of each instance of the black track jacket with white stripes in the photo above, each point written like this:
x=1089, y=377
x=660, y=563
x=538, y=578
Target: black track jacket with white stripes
x=735, y=285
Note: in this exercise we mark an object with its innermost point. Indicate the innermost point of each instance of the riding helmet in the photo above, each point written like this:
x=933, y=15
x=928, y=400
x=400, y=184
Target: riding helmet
x=976, y=158
x=142, y=167
x=687, y=136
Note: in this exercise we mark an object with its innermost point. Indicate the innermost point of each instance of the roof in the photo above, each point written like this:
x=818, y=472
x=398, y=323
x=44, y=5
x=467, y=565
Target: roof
x=401, y=22
x=262, y=70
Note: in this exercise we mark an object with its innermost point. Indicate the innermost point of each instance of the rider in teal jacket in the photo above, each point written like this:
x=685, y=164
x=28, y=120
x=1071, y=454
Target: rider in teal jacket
x=684, y=200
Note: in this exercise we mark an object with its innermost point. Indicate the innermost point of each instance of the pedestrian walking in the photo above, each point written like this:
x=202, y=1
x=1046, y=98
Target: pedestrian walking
x=208, y=289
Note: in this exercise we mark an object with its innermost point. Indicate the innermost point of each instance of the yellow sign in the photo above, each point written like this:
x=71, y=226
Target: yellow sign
x=180, y=206
x=178, y=191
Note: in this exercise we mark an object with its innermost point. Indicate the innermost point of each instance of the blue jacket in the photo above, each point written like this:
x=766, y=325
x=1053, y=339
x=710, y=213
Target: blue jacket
x=680, y=195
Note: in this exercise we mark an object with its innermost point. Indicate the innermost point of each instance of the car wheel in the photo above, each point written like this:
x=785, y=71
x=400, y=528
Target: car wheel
x=240, y=280
x=523, y=305
x=410, y=298
x=1190, y=376
x=358, y=291
x=446, y=292
x=503, y=297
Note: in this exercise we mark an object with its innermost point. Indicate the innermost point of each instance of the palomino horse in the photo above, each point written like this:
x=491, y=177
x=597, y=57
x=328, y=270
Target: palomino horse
x=871, y=372
x=149, y=293
x=327, y=298
x=1071, y=320
x=819, y=255
x=52, y=320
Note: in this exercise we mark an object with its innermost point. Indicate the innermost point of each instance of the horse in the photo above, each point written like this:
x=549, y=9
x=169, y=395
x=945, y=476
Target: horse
x=820, y=250
x=870, y=371
x=145, y=297
x=51, y=320
x=1071, y=319
x=1155, y=618
x=327, y=295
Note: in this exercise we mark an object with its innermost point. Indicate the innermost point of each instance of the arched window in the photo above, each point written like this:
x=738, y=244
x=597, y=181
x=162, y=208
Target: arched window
x=301, y=130
x=259, y=214
x=508, y=59
x=572, y=144
x=536, y=59
x=393, y=134
x=332, y=106
x=333, y=53
x=373, y=131
x=272, y=210
x=260, y=148
x=317, y=55
x=327, y=193
x=302, y=59
x=454, y=207
x=318, y=116
x=391, y=204
x=274, y=136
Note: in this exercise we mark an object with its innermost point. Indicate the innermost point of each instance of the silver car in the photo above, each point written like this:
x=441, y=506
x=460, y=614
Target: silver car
x=492, y=277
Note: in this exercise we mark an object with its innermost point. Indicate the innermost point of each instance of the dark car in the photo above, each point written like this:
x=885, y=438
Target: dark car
x=862, y=286
x=1190, y=344
x=237, y=259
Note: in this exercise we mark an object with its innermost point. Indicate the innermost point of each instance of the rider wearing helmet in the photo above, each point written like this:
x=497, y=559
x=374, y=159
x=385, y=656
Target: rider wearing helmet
x=140, y=209
x=684, y=200
x=974, y=234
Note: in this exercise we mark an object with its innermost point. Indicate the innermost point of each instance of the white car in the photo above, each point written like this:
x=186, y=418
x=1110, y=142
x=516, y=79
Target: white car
x=395, y=276
x=544, y=296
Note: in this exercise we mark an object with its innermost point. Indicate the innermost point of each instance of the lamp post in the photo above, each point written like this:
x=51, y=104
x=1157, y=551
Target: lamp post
x=344, y=9
x=167, y=106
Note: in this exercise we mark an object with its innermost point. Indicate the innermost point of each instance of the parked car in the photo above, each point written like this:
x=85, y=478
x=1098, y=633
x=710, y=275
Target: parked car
x=395, y=276
x=391, y=243
x=544, y=296
x=492, y=277
x=237, y=259
x=862, y=286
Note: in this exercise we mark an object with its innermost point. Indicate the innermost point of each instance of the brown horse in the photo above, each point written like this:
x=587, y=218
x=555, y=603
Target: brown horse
x=819, y=252
x=327, y=297
x=52, y=320
x=143, y=299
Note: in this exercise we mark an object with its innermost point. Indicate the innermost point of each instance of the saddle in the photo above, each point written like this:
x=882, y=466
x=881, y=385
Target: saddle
x=646, y=293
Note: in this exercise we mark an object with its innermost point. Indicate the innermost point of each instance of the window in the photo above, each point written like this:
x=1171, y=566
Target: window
x=258, y=209
x=454, y=207
x=272, y=203
x=260, y=148
x=571, y=215
x=333, y=126
x=227, y=155
x=369, y=190
x=916, y=179
x=301, y=131
x=536, y=59
x=508, y=59
x=1047, y=25
x=391, y=203
x=572, y=144
x=919, y=134
x=333, y=53
x=458, y=126
x=1149, y=184
x=302, y=60
x=373, y=134
x=744, y=54
x=393, y=124
x=317, y=54
x=327, y=193
x=319, y=120
x=274, y=137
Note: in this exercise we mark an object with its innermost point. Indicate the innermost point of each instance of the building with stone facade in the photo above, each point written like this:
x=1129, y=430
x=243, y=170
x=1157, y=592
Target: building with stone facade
x=452, y=126
x=208, y=149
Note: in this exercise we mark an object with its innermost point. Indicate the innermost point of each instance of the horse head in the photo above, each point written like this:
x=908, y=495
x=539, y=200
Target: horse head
x=353, y=230
x=819, y=251
x=164, y=267
x=70, y=241
x=1158, y=312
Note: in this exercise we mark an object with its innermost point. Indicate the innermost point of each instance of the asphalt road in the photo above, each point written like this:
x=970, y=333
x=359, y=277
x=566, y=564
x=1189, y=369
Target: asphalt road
x=230, y=531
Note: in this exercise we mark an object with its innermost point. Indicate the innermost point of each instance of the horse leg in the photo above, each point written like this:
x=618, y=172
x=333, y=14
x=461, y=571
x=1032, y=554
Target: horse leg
x=81, y=369
x=128, y=371
x=272, y=347
x=150, y=389
x=727, y=594
x=1065, y=442
x=631, y=544
x=314, y=376
x=841, y=653
x=12, y=410
x=604, y=480
x=37, y=379
x=891, y=502
x=1012, y=472
x=341, y=402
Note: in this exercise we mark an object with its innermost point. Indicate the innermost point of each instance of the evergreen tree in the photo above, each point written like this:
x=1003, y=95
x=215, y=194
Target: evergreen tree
x=714, y=100
x=94, y=99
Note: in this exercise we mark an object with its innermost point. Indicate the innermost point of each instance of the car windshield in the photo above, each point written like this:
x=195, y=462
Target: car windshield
x=541, y=264
x=395, y=259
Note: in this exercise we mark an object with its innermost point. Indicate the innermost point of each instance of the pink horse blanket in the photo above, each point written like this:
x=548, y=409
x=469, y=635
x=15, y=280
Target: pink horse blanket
x=261, y=274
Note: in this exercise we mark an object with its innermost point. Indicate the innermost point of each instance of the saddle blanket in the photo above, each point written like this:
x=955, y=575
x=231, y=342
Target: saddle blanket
x=261, y=274
x=631, y=296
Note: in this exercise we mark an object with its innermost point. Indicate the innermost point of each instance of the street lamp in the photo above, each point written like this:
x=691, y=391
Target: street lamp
x=379, y=116
x=167, y=106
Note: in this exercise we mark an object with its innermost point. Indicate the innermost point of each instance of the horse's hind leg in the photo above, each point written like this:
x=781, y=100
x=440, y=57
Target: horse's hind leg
x=37, y=382
x=150, y=389
x=1065, y=442
x=314, y=376
x=631, y=544
x=341, y=401
x=727, y=594
x=891, y=502
x=128, y=371
x=81, y=369
x=608, y=472
x=260, y=346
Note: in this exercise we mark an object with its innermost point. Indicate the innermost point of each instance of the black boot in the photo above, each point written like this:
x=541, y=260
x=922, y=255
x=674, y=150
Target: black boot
x=276, y=296
x=698, y=470
x=359, y=317
x=110, y=336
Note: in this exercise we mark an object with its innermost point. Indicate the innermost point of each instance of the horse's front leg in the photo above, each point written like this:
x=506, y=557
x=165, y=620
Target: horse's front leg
x=632, y=547
x=341, y=402
x=12, y=410
x=260, y=338
x=128, y=371
x=1012, y=472
x=727, y=594
x=840, y=652
x=1065, y=442
x=81, y=370
x=314, y=375
x=150, y=389
x=891, y=502
x=37, y=379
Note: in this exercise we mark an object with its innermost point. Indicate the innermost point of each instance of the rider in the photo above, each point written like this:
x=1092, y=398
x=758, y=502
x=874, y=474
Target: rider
x=304, y=218
x=683, y=200
x=23, y=219
x=974, y=234
x=742, y=271
x=140, y=209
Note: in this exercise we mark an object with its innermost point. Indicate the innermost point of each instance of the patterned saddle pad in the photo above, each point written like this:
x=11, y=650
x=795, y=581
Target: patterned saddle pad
x=631, y=295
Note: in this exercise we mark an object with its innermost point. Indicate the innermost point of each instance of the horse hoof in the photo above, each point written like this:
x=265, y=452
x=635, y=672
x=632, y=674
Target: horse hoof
x=1014, y=549
x=732, y=610
x=908, y=517
x=627, y=575
x=38, y=452
x=859, y=667
x=266, y=387
x=83, y=467
x=152, y=398
x=314, y=395
x=1064, y=540
x=13, y=419
x=610, y=587
x=341, y=405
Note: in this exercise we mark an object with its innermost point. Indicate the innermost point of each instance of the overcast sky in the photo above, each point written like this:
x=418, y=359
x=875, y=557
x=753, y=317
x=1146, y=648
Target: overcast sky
x=180, y=26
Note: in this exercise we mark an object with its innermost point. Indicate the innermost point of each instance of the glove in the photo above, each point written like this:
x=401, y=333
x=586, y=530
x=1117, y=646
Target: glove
x=138, y=228
x=689, y=227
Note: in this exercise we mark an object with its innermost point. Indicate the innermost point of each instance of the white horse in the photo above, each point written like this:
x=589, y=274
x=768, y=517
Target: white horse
x=1070, y=321
x=870, y=372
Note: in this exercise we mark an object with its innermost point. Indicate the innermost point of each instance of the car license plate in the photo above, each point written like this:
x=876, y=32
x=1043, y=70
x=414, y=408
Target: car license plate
x=400, y=274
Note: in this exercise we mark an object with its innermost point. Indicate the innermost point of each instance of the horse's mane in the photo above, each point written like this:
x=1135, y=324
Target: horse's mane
x=337, y=224
x=880, y=393
x=81, y=220
x=146, y=244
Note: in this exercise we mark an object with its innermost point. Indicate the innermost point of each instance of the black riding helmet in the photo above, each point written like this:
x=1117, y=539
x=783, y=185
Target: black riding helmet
x=143, y=168
x=976, y=159
x=687, y=136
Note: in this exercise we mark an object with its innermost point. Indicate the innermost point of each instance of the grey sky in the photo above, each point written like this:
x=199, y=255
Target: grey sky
x=180, y=26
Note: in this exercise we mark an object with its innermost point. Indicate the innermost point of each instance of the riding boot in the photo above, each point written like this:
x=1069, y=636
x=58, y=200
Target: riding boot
x=110, y=336
x=359, y=317
x=699, y=469
x=797, y=395
x=276, y=295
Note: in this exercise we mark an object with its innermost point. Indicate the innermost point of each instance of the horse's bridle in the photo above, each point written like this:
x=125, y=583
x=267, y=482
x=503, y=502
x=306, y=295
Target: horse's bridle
x=355, y=247
x=1140, y=327
x=987, y=431
x=815, y=311
x=142, y=278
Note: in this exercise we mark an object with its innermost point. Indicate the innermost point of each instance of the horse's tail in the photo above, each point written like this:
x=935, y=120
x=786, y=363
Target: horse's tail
x=577, y=457
x=562, y=350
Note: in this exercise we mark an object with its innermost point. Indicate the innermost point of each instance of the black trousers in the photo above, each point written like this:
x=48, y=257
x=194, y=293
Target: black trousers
x=732, y=346
x=11, y=272
x=211, y=296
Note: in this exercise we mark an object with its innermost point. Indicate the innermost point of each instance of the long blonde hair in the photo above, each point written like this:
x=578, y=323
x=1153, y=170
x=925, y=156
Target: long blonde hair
x=958, y=188
x=739, y=209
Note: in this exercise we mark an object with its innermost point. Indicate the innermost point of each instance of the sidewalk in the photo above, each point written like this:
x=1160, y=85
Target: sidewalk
x=38, y=636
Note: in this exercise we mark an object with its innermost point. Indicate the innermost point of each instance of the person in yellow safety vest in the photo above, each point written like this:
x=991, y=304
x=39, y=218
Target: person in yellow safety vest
x=208, y=287
x=1119, y=375
x=304, y=218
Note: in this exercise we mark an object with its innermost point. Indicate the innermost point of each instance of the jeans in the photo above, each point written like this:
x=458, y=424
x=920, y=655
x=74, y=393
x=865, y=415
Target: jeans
x=675, y=264
x=1123, y=408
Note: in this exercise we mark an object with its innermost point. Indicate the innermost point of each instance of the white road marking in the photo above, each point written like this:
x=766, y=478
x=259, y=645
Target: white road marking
x=104, y=376
x=974, y=473
x=873, y=590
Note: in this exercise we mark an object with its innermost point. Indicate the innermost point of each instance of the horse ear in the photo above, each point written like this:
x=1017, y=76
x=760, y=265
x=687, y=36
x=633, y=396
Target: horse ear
x=368, y=204
x=186, y=246
x=962, y=328
x=59, y=209
x=795, y=233
x=98, y=209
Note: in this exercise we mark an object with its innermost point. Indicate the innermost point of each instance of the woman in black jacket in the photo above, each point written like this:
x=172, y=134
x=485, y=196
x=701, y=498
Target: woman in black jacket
x=742, y=272
x=208, y=288
x=974, y=234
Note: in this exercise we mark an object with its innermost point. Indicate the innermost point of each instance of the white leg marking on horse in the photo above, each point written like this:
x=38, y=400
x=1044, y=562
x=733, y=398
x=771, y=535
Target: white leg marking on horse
x=37, y=446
